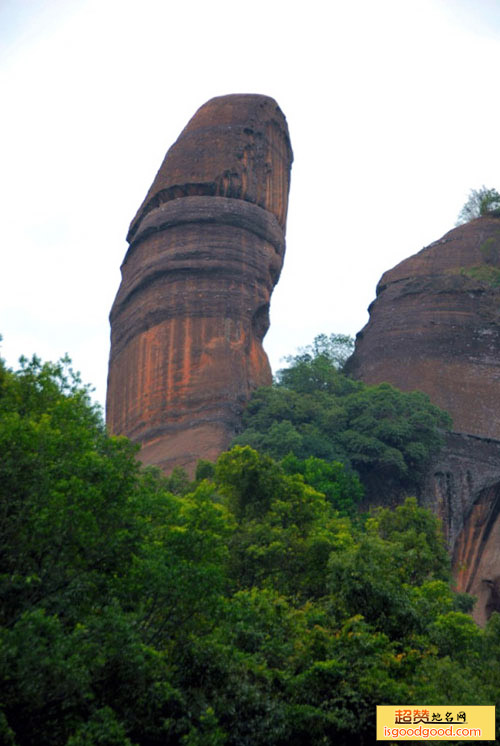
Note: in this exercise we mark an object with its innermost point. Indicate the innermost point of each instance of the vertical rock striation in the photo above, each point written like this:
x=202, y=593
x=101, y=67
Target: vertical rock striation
x=206, y=250
x=463, y=488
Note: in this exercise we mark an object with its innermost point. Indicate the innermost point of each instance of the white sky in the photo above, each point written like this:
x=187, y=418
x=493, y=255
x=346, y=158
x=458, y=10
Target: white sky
x=393, y=111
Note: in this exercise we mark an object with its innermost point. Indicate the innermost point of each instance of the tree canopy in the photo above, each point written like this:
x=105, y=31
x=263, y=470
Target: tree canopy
x=383, y=435
x=249, y=609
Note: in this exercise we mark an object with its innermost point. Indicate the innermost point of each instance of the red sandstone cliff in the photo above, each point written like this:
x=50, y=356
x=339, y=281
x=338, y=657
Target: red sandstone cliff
x=435, y=326
x=206, y=249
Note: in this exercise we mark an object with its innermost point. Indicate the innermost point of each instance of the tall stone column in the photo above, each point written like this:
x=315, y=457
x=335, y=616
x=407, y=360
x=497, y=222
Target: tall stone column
x=206, y=250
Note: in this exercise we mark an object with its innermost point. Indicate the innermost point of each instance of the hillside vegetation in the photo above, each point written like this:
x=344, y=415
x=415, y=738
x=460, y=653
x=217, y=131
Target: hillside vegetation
x=381, y=434
x=251, y=607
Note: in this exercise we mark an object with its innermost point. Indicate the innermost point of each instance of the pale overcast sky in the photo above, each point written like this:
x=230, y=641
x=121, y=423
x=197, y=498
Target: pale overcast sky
x=393, y=111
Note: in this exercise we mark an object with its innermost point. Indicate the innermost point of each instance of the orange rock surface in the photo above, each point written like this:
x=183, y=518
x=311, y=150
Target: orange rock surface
x=206, y=249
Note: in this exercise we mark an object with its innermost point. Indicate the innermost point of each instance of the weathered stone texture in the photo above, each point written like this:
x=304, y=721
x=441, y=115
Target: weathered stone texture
x=463, y=488
x=206, y=249
x=435, y=326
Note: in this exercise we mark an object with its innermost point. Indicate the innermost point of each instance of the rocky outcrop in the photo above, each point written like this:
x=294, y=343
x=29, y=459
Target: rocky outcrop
x=463, y=487
x=206, y=249
x=435, y=326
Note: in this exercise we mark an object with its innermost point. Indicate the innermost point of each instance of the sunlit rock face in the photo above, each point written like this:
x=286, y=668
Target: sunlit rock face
x=206, y=250
x=435, y=326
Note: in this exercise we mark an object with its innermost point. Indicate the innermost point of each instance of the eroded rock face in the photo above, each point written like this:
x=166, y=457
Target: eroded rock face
x=435, y=326
x=206, y=249
x=476, y=559
x=463, y=488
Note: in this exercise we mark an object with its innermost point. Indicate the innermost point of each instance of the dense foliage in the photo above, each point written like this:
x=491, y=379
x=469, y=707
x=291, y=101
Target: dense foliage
x=313, y=410
x=247, y=611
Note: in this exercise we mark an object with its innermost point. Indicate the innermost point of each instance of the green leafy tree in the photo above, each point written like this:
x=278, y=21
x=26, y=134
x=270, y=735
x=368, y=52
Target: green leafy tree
x=285, y=528
x=243, y=611
x=480, y=202
x=343, y=489
x=101, y=570
x=313, y=410
x=316, y=360
x=317, y=366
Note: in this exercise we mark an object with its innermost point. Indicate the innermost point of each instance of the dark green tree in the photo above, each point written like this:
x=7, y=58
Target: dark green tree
x=244, y=611
x=101, y=570
x=313, y=410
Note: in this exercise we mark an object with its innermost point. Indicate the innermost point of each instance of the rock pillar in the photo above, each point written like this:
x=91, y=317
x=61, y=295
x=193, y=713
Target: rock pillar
x=206, y=250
